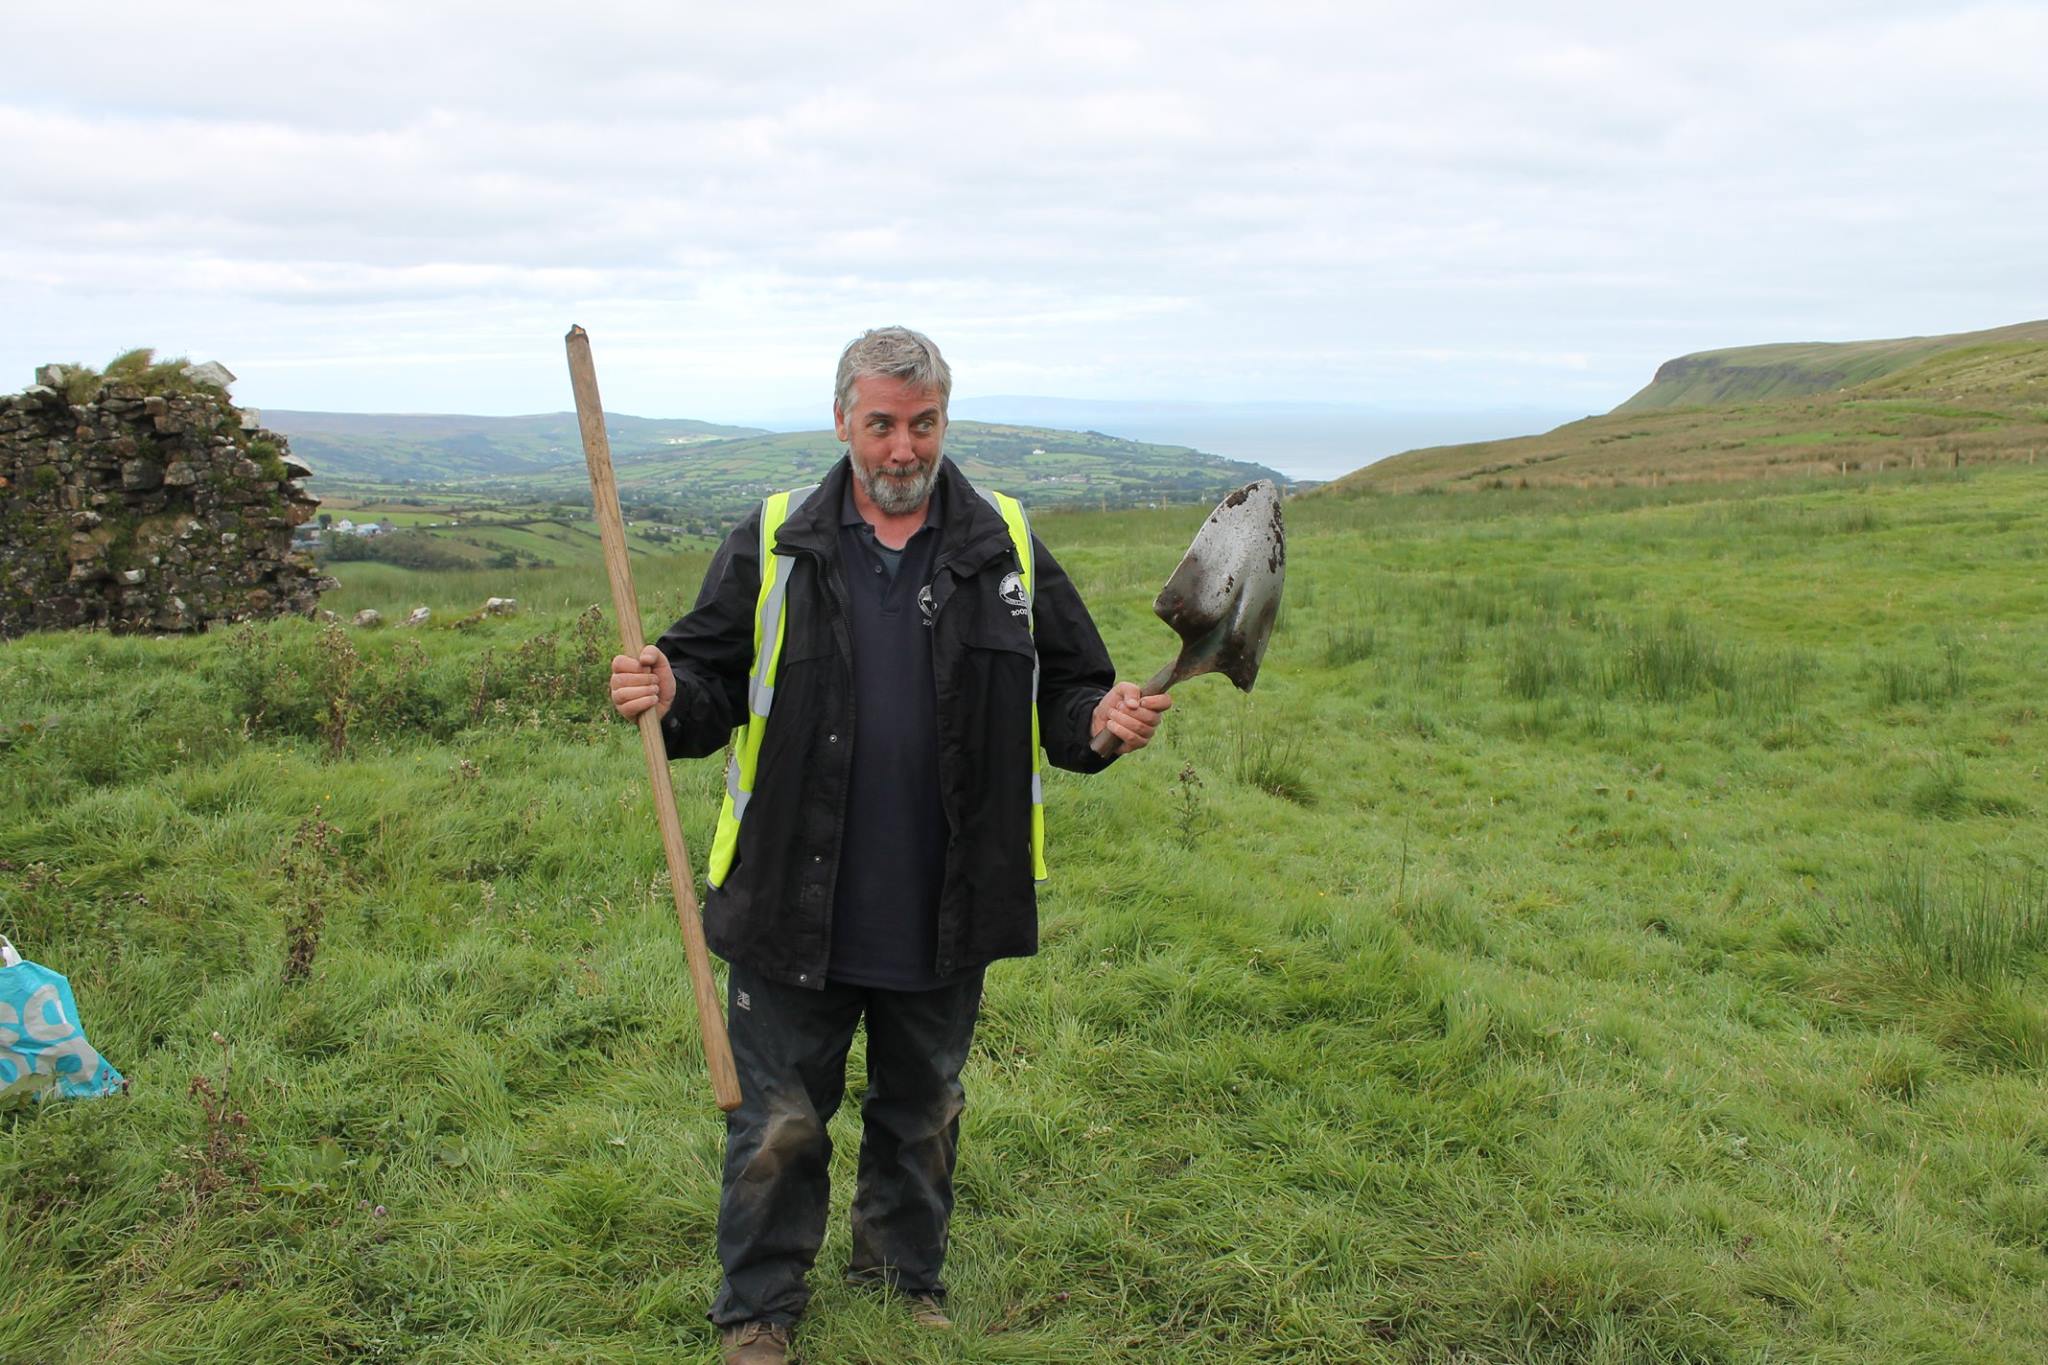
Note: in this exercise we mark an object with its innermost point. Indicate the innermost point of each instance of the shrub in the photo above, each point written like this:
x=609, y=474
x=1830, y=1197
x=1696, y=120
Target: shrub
x=307, y=868
x=405, y=549
x=269, y=458
x=397, y=699
x=141, y=368
x=334, y=680
x=1187, y=808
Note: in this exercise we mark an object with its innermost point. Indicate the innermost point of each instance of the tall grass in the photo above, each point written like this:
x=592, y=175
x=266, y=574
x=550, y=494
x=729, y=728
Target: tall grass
x=1269, y=756
x=1770, y=686
x=1900, y=682
x=1987, y=923
x=1670, y=661
x=1540, y=662
x=1942, y=789
x=1349, y=643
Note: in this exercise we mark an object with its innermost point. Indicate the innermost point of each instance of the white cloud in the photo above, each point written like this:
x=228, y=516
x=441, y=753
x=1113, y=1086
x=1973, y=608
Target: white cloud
x=382, y=205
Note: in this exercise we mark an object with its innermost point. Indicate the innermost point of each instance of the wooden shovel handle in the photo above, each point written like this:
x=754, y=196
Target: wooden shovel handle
x=604, y=496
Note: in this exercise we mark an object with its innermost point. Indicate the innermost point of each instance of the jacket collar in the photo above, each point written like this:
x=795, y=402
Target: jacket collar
x=971, y=532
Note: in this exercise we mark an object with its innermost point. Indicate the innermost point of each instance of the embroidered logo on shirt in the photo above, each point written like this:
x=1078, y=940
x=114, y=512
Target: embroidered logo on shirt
x=925, y=605
x=1012, y=589
x=745, y=1001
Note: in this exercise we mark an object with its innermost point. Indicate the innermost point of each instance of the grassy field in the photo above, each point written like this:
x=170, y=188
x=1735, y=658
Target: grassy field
x=1616, y=930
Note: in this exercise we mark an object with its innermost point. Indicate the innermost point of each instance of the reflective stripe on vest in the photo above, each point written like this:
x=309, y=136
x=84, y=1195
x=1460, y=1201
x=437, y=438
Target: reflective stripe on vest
x=744, y=758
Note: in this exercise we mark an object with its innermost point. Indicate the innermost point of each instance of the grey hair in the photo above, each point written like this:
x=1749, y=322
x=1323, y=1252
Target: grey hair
x=898, y=353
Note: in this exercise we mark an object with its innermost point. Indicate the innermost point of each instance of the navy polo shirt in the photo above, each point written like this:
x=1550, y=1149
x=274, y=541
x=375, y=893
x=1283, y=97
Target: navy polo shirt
x=892, y=854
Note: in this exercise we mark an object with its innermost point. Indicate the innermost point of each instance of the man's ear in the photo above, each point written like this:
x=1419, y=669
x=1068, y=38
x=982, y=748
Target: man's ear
x=839, y=425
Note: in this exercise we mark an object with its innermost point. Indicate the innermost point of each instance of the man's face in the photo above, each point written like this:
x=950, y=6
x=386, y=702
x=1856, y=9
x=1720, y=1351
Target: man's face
x=894, y=433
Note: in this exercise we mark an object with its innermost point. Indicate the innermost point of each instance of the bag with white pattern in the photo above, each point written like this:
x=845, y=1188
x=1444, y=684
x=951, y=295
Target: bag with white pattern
x=43, y=1051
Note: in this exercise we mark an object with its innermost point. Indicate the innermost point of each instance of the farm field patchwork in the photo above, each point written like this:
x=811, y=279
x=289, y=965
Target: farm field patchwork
x=1615, y=930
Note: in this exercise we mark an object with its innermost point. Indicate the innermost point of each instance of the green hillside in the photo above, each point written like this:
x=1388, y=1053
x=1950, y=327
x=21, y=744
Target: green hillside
x=1045, y=467
x=696, y=473
x=440, y=447
x=468, y=539
x=676, y=500
x=1745, y=374
x=1932, y=404
x=1615, y=931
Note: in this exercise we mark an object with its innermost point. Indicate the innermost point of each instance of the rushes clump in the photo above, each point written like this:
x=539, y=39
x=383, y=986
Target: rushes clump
x=1668, y=662
x=1943, y=790
x=1349, y=643
x=1900, y=682
x=1773, y=686
x=1539, y=663
x=1269, y=758
x=1975, y=929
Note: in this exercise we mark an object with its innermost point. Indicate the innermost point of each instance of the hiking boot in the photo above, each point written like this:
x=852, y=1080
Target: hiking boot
x=927, y=1311
x=755, y=1343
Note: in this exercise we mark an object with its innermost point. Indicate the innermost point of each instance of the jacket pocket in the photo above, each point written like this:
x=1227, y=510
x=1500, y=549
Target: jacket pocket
x=991, y=688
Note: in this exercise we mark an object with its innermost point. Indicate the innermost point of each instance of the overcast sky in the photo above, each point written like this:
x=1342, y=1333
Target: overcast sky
x=401, y=207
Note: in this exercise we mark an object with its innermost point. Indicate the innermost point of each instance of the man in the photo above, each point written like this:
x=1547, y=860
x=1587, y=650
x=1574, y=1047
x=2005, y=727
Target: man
x=917, y=649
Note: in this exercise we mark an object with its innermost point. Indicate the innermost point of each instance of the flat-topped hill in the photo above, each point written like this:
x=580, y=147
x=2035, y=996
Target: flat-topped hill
x=1744, y=374
x=1916, y=402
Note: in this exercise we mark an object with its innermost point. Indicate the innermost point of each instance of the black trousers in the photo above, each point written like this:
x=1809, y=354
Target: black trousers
x=790, y=1045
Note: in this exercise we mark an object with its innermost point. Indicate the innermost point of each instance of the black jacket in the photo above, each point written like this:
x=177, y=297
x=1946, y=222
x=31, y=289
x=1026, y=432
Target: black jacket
x=774, y=911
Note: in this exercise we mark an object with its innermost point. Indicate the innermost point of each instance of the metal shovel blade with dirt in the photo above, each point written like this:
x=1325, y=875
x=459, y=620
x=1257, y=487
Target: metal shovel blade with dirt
x=1224, y=598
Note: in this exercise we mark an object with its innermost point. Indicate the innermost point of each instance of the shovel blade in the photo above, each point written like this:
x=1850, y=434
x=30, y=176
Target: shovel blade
x=1224, y=598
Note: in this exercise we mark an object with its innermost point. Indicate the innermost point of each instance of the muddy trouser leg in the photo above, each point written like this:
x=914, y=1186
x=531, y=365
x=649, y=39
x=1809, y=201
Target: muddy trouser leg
x=910, y=1132
x=789, y=1046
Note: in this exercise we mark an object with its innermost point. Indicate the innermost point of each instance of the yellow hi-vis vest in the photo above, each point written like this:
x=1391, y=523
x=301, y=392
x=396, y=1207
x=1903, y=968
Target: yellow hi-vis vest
x=744, y=755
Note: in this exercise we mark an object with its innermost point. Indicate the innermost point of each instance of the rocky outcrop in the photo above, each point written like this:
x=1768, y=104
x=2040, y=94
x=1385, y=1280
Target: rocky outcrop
x=146, y=506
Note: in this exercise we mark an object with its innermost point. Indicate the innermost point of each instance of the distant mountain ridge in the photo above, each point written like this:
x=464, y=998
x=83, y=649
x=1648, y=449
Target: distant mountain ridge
x=388, y=447
x=690, y=469
x=1821, y=408
x=1744, y=374
x=1044, y=466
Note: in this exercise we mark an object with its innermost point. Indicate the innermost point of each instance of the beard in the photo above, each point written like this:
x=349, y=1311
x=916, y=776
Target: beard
x=896, y=493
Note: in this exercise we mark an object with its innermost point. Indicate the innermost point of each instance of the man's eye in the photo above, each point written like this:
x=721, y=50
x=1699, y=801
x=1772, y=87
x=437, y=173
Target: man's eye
x=926, y=428
x=878, y=425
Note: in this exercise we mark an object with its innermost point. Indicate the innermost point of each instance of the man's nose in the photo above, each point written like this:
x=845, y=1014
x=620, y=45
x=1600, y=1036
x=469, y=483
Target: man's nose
x=902, y=448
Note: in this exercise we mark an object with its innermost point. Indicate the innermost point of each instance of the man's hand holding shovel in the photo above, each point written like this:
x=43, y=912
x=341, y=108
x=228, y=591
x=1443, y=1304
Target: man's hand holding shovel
x=1128, y=716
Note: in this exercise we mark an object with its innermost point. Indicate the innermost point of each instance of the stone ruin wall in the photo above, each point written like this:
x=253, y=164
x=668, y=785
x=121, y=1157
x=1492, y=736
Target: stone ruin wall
x=137, y=511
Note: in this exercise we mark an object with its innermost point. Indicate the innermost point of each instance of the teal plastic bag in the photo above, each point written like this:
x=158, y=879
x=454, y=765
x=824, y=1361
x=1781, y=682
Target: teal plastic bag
x=43, y=1050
